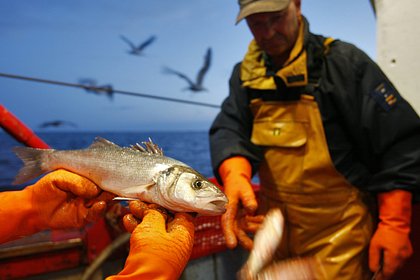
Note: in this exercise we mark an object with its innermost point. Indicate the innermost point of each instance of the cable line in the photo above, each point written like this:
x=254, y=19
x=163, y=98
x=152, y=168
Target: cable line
x=108, y=90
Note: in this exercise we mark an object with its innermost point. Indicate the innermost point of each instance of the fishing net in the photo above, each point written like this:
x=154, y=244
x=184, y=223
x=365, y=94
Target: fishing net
x=208, y=237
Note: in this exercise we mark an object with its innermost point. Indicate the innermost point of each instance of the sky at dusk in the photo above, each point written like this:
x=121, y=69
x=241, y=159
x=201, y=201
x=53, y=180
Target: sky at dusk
x=71, y=40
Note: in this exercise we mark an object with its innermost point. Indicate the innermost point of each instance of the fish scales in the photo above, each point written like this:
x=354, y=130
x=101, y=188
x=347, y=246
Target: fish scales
x=98, y=164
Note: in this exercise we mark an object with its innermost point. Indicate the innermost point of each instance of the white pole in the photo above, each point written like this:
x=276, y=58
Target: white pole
x=398, y=45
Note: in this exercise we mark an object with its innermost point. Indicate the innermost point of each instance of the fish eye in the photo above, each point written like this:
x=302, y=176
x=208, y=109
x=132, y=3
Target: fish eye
x=197, y=184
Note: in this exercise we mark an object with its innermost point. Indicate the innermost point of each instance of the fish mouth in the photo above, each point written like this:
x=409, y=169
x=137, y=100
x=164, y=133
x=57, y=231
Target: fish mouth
x=217, y=206
x=219, y=203
x=212, y=205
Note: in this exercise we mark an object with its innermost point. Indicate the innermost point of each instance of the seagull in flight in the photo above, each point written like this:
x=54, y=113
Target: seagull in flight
x=196, y=86
x=90, y=85
x=57, y=123
x=138, y=50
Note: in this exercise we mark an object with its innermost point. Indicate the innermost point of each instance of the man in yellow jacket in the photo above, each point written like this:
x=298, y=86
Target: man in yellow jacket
x=61, y=200
x=326, y=131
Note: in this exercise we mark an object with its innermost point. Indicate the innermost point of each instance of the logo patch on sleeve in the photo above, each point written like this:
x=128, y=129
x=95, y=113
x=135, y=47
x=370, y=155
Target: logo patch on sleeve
x=385, y=95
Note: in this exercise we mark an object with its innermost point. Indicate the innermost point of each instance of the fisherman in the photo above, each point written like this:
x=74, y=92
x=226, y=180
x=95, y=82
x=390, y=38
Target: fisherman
x=327, y=131
x=62, y=200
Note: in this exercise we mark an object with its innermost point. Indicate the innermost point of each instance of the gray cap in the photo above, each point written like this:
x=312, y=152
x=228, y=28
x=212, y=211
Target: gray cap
x=249, y=7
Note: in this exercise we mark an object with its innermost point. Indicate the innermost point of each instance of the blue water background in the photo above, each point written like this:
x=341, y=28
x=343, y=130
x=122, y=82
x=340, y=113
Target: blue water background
x=190, y=147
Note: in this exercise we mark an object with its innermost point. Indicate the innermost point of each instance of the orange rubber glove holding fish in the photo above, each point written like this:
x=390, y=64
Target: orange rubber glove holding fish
x=235, y=173
x=391, y=242
x=59, y=200
x=158, y=250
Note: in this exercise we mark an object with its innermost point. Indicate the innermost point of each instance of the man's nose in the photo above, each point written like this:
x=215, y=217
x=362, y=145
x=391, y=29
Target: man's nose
x=267, y=32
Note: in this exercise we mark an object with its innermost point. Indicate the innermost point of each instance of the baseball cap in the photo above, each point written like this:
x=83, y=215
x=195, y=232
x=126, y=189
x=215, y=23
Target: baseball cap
x=249, y=7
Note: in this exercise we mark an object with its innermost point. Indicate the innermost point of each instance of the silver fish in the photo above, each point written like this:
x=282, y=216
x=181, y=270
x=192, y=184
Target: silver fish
x=136, y=172
x=259, y=264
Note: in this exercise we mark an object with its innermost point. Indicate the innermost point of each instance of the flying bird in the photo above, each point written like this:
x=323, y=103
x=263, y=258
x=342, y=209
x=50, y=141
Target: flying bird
x=196, y=86
x=138, y=50
x=91, y=86
x=57, y=123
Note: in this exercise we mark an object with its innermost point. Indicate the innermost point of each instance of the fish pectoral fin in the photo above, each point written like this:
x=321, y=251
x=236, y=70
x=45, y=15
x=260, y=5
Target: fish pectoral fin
x=148, y=186
x=140, y=188
x=135, y=191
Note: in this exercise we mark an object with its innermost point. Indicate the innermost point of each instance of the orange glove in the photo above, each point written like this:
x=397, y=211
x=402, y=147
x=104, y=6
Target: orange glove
x=235, y=173
x=157, y=250
x=391, y=239
x=59, y=200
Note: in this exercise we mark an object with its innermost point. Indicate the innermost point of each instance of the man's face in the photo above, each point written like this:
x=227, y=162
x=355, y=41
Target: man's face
x=276, y=32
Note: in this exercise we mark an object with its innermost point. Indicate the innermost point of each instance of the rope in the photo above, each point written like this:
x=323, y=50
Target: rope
x=107, y=89
x=103, y=256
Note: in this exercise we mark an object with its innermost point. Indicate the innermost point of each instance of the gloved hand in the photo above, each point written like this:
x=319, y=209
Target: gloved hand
x=59, y=200
x=157, y=250
x=236, y=174
x=391, y=239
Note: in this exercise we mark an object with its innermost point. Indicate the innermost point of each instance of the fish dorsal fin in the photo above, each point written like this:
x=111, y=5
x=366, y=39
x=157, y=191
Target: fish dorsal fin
x=148, y=147
x=100, y=142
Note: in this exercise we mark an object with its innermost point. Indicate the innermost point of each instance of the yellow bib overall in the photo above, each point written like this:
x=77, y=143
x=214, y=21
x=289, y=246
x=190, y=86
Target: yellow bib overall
x=325, y=215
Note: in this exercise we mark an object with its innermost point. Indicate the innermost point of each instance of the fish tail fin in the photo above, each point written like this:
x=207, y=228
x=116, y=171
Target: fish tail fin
x=33, y=163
